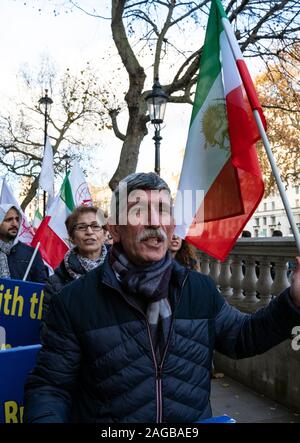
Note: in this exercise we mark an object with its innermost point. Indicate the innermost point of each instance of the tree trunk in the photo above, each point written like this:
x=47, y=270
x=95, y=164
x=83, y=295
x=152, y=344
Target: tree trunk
x=136, y=131
x=31, y=193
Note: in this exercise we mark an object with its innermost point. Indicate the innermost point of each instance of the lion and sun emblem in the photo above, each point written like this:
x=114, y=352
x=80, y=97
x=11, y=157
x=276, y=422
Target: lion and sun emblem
x=214, y=126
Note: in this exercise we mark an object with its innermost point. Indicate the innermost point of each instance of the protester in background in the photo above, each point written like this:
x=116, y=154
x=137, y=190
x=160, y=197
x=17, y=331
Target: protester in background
x=15, y=255
x=184, y=253
x=89, y=251
x=132, y=341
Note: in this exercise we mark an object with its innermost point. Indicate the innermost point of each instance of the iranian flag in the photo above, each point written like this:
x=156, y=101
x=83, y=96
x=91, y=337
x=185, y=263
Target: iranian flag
x=37, y=219
x=52, y=233
x=220, y=167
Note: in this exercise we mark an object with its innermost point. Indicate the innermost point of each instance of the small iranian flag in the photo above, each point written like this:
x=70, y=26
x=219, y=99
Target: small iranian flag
x=220, y=158
x=52, y=233
x=37, y=219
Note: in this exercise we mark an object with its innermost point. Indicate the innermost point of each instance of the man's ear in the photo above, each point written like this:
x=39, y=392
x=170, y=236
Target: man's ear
x=114, y=232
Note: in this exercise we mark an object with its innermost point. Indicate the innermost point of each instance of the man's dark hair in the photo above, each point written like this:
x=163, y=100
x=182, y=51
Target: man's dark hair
x=72, y=219
x=145, y=181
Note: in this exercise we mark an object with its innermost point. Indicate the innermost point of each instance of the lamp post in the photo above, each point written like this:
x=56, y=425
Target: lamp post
x=156, y=103
x=46, y=102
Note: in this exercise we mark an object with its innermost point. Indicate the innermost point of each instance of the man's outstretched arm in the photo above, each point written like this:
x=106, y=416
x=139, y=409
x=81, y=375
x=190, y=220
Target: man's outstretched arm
x=240, y=335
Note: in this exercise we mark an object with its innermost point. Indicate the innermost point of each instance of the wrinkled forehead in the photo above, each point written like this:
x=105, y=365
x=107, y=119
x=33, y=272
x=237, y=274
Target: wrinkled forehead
x=149, y=198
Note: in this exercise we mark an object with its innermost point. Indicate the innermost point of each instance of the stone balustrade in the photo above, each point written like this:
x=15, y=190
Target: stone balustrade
x=256, y=270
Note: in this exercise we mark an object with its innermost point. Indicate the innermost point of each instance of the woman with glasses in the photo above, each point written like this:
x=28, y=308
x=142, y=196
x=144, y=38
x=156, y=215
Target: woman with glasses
x=87, y=236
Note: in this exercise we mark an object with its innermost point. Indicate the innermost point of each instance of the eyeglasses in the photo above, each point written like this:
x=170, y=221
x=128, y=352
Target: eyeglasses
x=84, y=227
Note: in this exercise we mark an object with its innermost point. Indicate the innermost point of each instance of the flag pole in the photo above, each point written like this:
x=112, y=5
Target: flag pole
x=275, y=171
x=31, y=260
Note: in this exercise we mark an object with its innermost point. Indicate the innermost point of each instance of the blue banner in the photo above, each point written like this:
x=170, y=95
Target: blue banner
x=20, y=312
x=15, y=364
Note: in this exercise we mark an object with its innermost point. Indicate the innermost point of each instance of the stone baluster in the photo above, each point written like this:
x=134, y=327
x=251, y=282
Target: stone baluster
x=249, y=282
x=236, y=281
x=264, y=281
x=280, y=282
x=214, y=270
x=224, y=279
x=204, y=264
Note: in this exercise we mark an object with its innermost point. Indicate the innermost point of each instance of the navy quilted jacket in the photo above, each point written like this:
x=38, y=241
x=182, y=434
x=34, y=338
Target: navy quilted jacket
x=18, y=261
x=97, y=362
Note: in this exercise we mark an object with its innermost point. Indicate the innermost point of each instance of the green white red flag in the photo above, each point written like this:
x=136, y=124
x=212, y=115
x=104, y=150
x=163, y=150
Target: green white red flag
x=37, y=219
x=52, y=233
x=220, y=157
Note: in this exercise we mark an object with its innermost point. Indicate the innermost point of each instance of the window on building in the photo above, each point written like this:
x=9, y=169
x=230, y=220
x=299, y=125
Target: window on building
x=265, y=206
x=255, y=232
x=273, y=220
x=264, y=220
x=297, y=189
x=257, y=221
x=273, y=206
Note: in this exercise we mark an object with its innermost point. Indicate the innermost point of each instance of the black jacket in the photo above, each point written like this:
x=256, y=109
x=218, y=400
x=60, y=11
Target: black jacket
x=59, y=279
x=18, y=260
x=98, y=361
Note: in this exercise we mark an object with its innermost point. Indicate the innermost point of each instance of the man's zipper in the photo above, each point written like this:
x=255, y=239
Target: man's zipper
x=158, y=368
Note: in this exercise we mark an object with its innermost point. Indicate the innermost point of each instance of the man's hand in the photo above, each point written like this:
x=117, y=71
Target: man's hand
x=295, y=285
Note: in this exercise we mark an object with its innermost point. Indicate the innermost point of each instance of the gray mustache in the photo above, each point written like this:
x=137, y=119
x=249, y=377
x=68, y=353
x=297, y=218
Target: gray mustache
x=159, y=233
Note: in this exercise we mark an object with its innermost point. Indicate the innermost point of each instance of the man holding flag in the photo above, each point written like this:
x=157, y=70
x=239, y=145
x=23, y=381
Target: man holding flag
x=132, y=340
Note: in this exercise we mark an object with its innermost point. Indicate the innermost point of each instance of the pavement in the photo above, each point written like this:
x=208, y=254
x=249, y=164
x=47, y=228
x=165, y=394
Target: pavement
x=246, y=406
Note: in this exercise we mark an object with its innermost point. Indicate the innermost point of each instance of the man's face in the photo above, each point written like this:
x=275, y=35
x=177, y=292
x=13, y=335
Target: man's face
x=10, y=225
x=146, y=236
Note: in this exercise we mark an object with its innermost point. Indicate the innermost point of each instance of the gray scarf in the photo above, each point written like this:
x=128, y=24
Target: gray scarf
x=85, y=264
x=150, y=283
x=5, y=248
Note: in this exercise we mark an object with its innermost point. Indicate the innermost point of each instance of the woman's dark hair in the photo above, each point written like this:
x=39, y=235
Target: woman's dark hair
x=72, y=219
x=187, y=256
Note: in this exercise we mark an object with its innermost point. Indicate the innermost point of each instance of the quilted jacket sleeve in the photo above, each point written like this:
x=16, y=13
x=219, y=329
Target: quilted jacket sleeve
x=240, y=335
x=52, y=287
x=49, y=388
x=38, y=272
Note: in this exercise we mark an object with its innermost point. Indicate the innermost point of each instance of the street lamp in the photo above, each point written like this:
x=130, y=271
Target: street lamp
x=156, y=103
x=46, y=102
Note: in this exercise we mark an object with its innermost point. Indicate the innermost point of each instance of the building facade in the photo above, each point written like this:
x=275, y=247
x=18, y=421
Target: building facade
x=270, y=214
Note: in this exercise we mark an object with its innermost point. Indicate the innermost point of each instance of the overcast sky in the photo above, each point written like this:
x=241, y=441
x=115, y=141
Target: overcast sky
x=71, y=39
